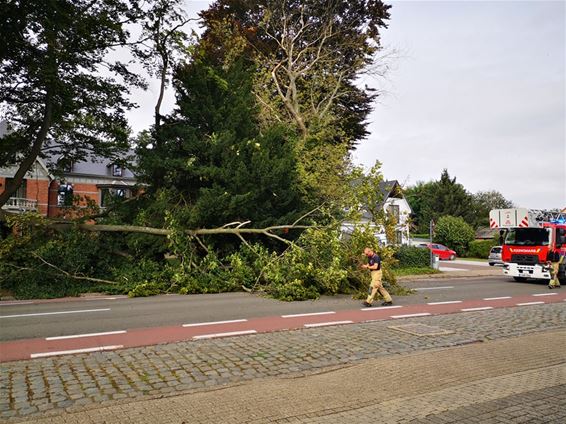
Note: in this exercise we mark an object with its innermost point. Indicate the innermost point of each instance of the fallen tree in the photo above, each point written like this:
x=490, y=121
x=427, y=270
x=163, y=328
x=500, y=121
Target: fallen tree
x=49, y=258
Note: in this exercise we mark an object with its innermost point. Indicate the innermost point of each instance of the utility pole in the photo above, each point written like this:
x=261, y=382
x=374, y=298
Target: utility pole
x=430, y=231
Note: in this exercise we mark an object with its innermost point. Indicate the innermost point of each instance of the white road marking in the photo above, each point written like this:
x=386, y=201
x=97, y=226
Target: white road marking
x=308, y=315
x=68, y=352
x=199, y=324
x=434, y=288
x=545, y=294
x=483, y=308
x=76, y=336
x=448, y=302
x=324, y=324
x=450, y=269
x=16, y=303
x=378, y=308
x=101, y=298
x=231, y=333
x=422, y=314
x=497, y=298
x=55, y=313
x=530, y=303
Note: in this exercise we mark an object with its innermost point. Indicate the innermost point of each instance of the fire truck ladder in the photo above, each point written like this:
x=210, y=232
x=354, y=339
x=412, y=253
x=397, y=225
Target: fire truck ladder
x=543, y=215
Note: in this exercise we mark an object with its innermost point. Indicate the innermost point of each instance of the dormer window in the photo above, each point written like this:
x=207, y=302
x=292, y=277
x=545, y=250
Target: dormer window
x=65, y=165
x=117, y=170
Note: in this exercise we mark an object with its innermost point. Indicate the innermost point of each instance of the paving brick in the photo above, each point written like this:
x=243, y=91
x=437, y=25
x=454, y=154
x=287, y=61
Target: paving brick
x=171, y=369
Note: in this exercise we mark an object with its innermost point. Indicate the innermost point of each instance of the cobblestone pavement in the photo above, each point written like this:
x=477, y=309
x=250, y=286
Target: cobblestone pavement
x=116, y=380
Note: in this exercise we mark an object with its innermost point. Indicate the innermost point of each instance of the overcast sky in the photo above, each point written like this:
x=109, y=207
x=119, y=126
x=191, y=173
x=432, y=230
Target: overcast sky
x=476, y=87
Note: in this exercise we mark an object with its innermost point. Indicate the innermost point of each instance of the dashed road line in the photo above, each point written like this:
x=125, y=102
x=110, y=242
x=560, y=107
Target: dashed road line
x=54, y=313
x=200, y=324
x=545, y=294
x=434, y=288
x=530, y=303
x=422, y=314
x=73, y=351
x=311, y=314
x=379, y=308
x=448, y=302
x=497, y=298
x=482, y=308
x=230, y=333
x=77, y=336
x=324, y=324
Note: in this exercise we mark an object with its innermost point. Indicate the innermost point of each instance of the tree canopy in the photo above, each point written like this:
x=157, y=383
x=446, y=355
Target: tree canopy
x=211, y=157
x=434, y=199
x=267, y=112
x=58, y=91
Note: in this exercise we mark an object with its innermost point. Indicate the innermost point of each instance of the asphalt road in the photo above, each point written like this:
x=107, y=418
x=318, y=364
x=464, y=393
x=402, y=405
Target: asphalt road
x=80, y=316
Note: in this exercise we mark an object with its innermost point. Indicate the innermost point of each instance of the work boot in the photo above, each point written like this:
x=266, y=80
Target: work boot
x=387, y=304
x=367, y=305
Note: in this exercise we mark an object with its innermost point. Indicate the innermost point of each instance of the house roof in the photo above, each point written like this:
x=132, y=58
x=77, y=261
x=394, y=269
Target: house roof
x=486, y=233
x=97, y=166
x=389, y=189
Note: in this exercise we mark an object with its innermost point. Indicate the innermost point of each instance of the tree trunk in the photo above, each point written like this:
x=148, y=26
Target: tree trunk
x=27, y=163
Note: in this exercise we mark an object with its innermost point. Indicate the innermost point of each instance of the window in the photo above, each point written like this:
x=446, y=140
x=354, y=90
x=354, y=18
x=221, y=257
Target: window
x=117, y=171
x=65, y=165
x=21, y=192
x=528, y=237
x=393, y=210
x=399, y=237
x=111, y=195
x=65, y=194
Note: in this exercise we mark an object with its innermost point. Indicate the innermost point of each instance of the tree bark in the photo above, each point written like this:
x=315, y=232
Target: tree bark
x=29, y=160
x=236, y=231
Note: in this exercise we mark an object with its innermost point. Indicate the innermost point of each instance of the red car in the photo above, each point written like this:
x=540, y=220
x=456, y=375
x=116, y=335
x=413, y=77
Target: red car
x=441, y=251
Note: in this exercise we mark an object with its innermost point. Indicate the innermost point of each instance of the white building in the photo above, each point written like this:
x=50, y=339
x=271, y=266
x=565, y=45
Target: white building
x=393, y=203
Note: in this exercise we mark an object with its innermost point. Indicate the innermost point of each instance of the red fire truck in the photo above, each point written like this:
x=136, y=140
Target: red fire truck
x=530, y=238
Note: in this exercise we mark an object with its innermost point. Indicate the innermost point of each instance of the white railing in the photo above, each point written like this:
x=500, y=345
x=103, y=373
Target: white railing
x=20, y=204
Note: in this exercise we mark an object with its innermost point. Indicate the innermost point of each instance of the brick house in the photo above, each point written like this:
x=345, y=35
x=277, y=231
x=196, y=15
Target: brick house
x=41, y=191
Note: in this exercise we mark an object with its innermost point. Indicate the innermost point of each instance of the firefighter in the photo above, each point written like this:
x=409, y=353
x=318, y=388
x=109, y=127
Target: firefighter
x=556, y=260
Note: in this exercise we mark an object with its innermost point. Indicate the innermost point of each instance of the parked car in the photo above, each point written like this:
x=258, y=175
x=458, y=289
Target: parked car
x=443, y=252
x=494, y=257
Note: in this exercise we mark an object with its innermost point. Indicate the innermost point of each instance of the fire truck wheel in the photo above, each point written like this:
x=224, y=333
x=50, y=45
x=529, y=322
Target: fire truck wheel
x=520, y=279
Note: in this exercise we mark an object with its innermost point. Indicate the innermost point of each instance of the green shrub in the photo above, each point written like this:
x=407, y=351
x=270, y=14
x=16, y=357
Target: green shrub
x=455, y=233
x=412, y=257
x=480, y=248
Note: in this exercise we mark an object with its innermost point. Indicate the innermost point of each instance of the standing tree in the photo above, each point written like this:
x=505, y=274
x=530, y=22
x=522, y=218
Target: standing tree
x=438, y=198
x=484, y=201
x=419, y=197
x=161, y=43
x=210, y=161
x=308, y=55
x=58, y=91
